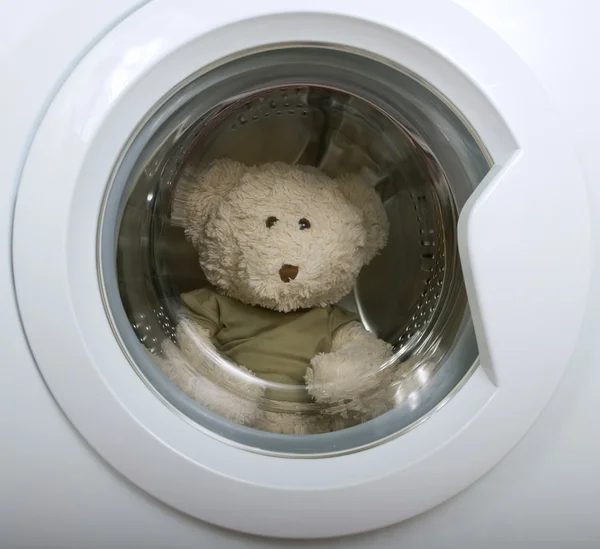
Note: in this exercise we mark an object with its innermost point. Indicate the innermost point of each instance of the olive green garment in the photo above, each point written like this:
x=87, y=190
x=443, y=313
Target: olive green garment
x=276, y=346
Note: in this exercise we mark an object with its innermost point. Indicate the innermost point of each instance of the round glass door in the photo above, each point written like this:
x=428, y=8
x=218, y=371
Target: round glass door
x=304, y=106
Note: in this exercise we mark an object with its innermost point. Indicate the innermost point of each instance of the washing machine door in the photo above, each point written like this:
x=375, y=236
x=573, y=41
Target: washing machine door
x=523, y=237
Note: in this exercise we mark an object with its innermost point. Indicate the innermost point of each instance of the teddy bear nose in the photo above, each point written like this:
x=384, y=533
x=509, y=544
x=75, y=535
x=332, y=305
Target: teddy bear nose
x=287, y=273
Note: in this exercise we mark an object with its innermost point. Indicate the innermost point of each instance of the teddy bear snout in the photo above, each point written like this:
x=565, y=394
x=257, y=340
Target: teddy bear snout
x=287, y=273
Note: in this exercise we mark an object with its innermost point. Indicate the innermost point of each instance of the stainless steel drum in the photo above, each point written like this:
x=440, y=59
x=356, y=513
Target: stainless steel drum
x=341, y=111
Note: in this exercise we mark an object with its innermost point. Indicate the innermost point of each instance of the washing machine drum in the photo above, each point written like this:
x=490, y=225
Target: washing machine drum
x=477, y=339
x=412, y=295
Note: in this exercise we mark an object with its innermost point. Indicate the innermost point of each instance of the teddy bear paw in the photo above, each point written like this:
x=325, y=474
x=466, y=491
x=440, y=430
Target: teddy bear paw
x=237, y=401
x=343, y=377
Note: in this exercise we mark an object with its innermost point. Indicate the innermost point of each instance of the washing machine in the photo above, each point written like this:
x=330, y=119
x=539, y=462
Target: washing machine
x=476, y=124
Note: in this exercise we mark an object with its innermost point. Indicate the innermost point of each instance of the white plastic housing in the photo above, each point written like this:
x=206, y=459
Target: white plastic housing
x=524, y=242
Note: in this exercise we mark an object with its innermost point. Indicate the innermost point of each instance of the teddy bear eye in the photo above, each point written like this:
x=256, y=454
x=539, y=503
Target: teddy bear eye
x=271, y=221
x=304, y=224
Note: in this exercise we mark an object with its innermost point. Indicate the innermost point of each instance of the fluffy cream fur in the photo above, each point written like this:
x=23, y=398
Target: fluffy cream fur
x=224, y=211
x=246, y=223
x=197, y=368
x=351, y=373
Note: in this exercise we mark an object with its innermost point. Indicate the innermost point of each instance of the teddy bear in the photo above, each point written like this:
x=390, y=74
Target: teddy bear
x=265, y=344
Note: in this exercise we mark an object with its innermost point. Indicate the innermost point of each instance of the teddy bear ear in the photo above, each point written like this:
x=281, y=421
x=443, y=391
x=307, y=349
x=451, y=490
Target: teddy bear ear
x=199, y=192
x=364, y=196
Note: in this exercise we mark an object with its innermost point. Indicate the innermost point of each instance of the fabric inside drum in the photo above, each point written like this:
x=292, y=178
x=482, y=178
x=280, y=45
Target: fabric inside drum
x=341, y=134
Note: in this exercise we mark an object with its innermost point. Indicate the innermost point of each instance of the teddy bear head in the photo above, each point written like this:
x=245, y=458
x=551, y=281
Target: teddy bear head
x=279, y=236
